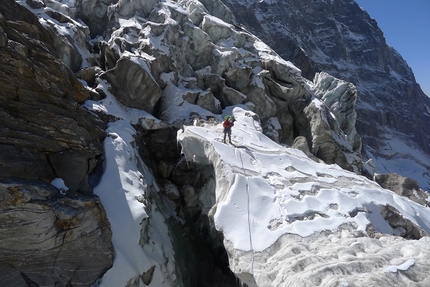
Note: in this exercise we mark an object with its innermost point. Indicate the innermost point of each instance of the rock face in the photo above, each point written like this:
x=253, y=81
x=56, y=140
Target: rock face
x=47, y=238
x=340, y=38
x=44, y=133
x=141, y=91
x=403, y=186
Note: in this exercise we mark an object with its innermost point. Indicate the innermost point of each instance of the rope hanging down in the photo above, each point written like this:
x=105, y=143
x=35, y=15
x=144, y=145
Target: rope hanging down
x=249, y=215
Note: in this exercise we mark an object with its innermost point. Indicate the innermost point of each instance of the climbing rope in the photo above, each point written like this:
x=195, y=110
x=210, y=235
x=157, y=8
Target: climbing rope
x=249, y=214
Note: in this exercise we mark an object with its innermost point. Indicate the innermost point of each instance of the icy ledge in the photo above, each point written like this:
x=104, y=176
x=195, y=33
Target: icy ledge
x=289, y=221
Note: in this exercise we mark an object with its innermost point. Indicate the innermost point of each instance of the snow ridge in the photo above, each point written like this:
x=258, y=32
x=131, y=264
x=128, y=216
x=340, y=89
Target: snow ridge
x=289, y=195
x=289, y=192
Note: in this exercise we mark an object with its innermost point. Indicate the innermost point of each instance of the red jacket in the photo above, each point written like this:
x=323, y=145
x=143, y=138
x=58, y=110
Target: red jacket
x=227, y=124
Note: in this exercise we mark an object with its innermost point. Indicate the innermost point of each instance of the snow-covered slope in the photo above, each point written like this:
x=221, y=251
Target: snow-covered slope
x=125, y=192
x=270, y=200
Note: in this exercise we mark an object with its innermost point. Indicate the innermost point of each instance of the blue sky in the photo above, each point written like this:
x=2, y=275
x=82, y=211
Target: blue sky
x=406, y=26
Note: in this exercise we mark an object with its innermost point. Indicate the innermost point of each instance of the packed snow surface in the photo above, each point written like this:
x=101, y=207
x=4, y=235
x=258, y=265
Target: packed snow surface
x=274, y=190
x=404, y=266
x=123, y=191
x=60, y=185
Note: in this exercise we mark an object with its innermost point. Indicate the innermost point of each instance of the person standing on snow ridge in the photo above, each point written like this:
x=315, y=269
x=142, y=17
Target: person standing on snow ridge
x=228, y=123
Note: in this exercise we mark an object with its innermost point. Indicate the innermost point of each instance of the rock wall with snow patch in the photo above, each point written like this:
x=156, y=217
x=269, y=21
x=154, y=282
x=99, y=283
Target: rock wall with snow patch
x=51, y=234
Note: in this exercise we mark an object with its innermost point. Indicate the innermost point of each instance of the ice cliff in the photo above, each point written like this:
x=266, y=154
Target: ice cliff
x=112, y=163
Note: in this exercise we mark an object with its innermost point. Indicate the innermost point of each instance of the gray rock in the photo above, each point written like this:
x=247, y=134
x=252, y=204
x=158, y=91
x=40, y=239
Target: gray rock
x=209, y=102
x=35, y=4
x=238, y=77
x=218, y=9
x=227, y=96
x=39, y=107
x=404, y=186
x=327, y=145
x=89, y=75
x=301, y=143
x=133, y=84
x=212, y=27
x=3, y=38
x=195, y=9
x=165, y=168
x=198, y=50
x=95, y=15
x=65, y=47
x=128, y=8
x=404, y=227
x=47, y=238
x=50, y=239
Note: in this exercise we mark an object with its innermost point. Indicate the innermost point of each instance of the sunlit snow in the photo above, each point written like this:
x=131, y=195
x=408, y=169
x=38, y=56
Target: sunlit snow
x=273, y=190
x=123, y=191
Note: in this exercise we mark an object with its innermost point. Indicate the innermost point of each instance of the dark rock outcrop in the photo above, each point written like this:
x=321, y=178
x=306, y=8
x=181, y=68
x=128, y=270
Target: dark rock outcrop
x=402, y=226
x=94, y=14
x=134, y=85
x=44, y=132
x=403, y=186
x=49, y=239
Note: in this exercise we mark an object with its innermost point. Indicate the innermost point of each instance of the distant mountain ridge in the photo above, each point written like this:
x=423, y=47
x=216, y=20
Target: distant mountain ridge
x=340, y=38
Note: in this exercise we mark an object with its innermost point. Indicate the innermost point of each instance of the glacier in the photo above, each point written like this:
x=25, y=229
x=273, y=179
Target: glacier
x=266, y=192
x=284, y=217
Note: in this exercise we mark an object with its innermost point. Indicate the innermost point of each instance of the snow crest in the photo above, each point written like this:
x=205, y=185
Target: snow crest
x=266, y=191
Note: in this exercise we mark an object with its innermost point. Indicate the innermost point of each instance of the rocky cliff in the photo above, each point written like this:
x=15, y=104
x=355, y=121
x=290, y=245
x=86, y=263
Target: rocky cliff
x=340, y=38
x=49, y=236
x=49, y=239
x=94, y=96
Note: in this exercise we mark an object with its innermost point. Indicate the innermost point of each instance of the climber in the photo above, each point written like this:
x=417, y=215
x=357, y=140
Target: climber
x=228, y=123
